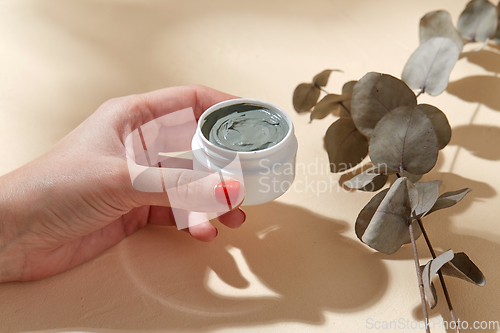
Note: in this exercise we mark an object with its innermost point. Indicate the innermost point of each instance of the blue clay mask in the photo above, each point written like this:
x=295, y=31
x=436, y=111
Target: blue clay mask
x=244, y=127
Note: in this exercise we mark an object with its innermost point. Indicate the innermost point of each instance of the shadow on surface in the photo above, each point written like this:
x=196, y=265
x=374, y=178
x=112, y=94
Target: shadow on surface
x=479, y=140
x=489, y=60
x=479, y=88
x=302, y=262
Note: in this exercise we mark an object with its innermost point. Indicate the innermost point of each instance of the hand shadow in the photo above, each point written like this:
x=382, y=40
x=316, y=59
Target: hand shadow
x=300, y=257
x=301, y=262
x=471, y=303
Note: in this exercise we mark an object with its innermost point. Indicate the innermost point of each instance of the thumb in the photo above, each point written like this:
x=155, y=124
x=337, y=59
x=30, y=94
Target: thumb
x=187, y=189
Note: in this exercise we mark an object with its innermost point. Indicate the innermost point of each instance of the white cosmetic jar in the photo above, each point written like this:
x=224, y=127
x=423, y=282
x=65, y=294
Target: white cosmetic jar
x=266, y=173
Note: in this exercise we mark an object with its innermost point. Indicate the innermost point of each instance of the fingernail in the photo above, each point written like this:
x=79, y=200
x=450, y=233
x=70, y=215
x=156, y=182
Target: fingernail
x=228, y=191
x=216, y=231
x=244, y=215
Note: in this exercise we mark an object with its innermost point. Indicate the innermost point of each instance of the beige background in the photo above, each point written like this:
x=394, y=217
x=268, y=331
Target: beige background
x=295, y=265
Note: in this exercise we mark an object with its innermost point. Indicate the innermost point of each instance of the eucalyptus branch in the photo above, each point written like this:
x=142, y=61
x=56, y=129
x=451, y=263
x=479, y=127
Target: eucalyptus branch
x=386, y=122
x=419, y=276
x=440, y=274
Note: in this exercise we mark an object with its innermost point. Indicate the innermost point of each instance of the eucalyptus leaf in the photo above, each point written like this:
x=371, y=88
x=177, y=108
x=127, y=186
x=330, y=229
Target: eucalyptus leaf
x=416, y=197
x=428, y=193
x=412, y=194
x=388, y=228
x=369, y=180
x=478, y=22
x=383, y=170
x=439, y=122
x=417, y=232
x=439, y=24
x=368, y=211
x=430, y=269
x=376, y=184
x=375, y=95
x=327, y=105
x=429, y=289
x=321, y=79
x=345, y=145
x=449, y=199
x=404, y=138
x=366, y=214
x=342, y=111
x=463, y=268
x=348, y=88
x=305, y=97
x=432, y=288
x=429, y=67
x=323, y=112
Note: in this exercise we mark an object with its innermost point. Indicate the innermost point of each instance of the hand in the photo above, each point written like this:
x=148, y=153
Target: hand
x=77, y=200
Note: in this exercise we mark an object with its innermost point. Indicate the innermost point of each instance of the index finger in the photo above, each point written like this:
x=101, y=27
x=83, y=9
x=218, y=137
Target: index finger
x=148, y=106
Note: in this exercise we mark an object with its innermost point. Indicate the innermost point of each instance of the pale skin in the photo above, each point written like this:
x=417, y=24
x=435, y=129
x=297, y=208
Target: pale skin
x=77, y=200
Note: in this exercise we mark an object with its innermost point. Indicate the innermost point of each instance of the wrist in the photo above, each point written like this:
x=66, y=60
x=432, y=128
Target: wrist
x=11, y=264
x=11, y=254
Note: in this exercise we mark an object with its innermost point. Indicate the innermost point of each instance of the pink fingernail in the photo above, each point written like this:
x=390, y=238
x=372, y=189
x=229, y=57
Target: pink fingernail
x=226, y=190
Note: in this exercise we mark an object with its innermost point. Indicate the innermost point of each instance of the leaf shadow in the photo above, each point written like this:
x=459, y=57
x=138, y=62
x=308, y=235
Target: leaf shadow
x=489, y=60
x=470, y=302
x=479, y=140
x=301, y=257
x=482, y=89
x=494, y=45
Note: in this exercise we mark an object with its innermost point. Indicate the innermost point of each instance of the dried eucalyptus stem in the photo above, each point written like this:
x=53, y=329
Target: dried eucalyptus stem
x=440, y=274
x=419, y=276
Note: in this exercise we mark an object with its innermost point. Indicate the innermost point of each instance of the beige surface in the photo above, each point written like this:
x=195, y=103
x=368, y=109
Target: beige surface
x=295, y=265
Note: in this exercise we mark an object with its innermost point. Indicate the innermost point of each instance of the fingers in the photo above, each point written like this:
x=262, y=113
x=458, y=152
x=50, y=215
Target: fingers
x=136, y=110
x=198, y=224
x=187, y=190
x=204, y=232
x=161, y=216
x=172, y=99
x=200, y=227
x=233, y=219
